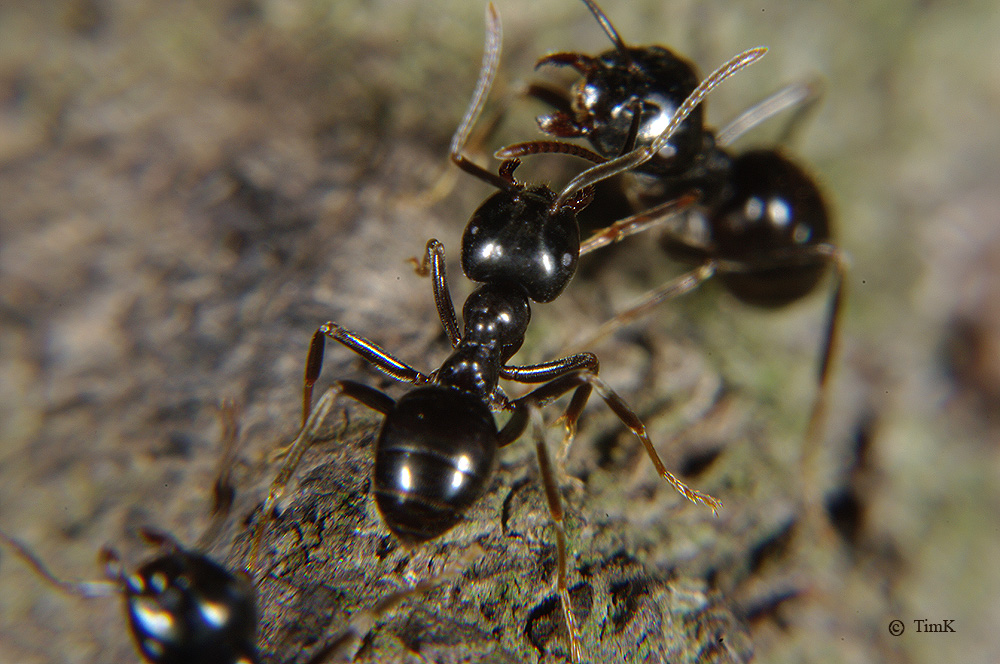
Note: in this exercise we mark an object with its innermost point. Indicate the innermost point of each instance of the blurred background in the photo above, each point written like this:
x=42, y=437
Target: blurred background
x=187, y=189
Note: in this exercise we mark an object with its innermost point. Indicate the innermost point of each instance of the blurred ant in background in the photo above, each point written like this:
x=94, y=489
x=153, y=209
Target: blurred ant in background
x=755, y=218
x=183, y=607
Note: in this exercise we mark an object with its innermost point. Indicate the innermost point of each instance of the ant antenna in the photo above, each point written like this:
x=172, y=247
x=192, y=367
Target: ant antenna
x=487, y=72
x=85, y=589
x=800, y=96
x=644, y=153
x=548, y=147
x=609, y=29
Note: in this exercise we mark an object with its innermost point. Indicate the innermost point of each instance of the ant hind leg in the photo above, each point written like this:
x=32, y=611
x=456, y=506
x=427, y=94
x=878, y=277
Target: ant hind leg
x=308, y=435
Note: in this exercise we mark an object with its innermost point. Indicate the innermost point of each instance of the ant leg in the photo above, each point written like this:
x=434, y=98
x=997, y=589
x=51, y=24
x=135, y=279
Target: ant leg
x=223, y=491
x=584, y=379
x=379, y=358
x=831, y=328
x=556, y=511
x=363, y=394
x=800, y=97
x=85, y=589
x=525, y=410
x=828, y=349
x=825, y=252
x=433, y=265
x=685, y=283
x=637, y=223
x=540, y=373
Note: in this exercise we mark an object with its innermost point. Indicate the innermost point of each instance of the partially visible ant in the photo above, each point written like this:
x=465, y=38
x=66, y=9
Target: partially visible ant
x=185, y=608
x=437, y=449
x=181, y=605
x=756, y=218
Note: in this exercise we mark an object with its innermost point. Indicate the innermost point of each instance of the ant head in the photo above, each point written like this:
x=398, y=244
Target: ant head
x=184, y=607
x=624, y=99
x=772, y=224
x=427, y=428
x=642, y=154
x=517, y=236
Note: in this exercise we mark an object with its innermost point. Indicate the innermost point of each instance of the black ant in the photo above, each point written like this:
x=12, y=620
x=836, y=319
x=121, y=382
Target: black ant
x=437, y=449
x=181, y=605
x=185, y=608
x=756, y=218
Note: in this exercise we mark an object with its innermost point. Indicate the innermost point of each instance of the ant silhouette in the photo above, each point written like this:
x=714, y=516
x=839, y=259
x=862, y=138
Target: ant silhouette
x=756, y=219
x=437, y=449
x=183, y=607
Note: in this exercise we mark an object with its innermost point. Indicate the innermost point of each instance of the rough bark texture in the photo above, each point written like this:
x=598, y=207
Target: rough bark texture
x=188, y=189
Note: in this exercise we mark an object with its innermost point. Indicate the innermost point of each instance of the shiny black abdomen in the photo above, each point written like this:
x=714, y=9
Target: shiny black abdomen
x=434, y=457
x=184, y=608
x=775, y=210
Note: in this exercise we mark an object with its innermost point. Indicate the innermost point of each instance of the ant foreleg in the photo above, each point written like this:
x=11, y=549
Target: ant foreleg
x=433, y=265
x=685, y=283
x=379, y=358
x=825, y=252
x=828, y=349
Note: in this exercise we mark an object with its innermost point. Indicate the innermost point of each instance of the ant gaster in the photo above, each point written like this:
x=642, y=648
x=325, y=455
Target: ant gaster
x=437, y=449
x=755, y=218
x=183, y=607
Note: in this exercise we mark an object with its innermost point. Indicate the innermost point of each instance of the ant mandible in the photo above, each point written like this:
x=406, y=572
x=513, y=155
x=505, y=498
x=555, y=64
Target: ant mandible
x=437, y=449
x=183, y=607
x=756, y=218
